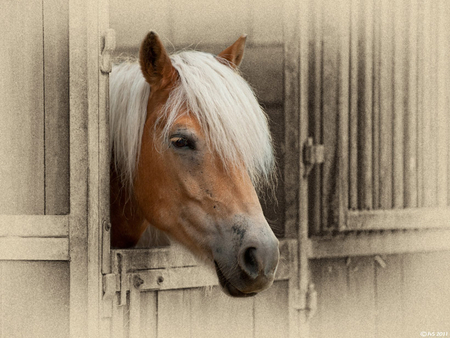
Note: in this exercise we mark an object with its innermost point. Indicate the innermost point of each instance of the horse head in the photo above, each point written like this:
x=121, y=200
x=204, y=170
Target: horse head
x=205, y=148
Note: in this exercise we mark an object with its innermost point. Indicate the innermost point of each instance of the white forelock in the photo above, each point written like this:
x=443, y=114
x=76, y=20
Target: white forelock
x=235, y=126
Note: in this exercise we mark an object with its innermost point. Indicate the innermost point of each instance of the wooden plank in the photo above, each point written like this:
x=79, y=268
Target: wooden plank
x=410, y=189
x=34, y=248
x=292, y=114
x=399, y=97
x=343, y=114
x=376, y=107
x=360, y=310
x=177, y=278
x=234, y=319
x=185, y=277
x=118, y=319
x=389, y=280
x=386, y=81
x=330, y=278
x=56, y=82
x=271, y=313
x=177, y=256
x=331, y=46
x=442, y=139
x=354, y=116
x=80, y=30
x=428, y=170
x=384, y=243
x=22, y=109
x=299, y=275
x=425, y=292
x=34, y=299
x=316, y=99
x=135, y=311
x=400, y=219
x=420, y=101
x=34, y=225
x=174, y=314
x=148, y=314
x=366, y=52
x=447, y=55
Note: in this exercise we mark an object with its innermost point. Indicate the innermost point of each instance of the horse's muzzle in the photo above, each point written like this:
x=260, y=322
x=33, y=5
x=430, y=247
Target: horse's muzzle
x=252, y=266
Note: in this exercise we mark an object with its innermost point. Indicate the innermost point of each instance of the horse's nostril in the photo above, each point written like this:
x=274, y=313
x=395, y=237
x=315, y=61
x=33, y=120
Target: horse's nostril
x=249, y=262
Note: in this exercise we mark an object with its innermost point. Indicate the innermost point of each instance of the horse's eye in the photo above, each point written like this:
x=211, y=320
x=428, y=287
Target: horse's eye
x=181, y=142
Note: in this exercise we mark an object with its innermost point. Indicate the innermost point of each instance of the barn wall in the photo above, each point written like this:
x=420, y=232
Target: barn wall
x=374, y=74
x=34, y=173
x=34, y=299
x=34, y=110
x=401, y=297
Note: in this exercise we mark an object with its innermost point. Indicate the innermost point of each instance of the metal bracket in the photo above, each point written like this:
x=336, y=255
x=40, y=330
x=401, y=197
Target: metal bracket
x=310, y=303
x=313, y=154
x=109, y=44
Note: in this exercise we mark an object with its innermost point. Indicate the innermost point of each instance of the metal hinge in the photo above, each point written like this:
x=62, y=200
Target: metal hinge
x=110, y=285
x=313, y=154
x=310, y=301
x=109, y=44
x=118, y=282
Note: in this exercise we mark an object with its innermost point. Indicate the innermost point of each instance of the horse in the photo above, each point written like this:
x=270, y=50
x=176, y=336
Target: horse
x=190, y=150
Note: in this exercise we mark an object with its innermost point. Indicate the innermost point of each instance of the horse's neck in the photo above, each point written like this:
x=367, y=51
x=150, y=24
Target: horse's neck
x=127, y=221
x=129, y=227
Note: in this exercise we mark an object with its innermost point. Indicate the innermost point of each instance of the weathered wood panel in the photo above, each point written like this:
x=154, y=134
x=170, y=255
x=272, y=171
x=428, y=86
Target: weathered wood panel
x=203, y=312
x=271, y=313
x=188, y=23
x=34, y=299
x=389, y=296
x=22, y=108
x=56, y=83
x=378, y=105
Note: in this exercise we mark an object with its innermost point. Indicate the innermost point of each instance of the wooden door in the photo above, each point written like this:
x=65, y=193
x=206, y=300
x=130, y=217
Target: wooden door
x=379, y=104
x=53, y=99
x=34, y=169
x=162, y=292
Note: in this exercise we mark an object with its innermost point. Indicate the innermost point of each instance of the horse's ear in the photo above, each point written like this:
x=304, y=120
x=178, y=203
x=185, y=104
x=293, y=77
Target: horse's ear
x=154, y=60
x=234, y=54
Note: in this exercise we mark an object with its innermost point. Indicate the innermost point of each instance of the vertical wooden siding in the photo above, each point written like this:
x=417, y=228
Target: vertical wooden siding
x=34, y=111
x=401, y=297
x=34, y=298
x=381, y=96
x=205, y=312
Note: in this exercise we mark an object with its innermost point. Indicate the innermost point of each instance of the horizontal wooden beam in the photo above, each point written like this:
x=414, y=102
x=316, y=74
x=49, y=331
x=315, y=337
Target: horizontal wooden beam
x=379, y=243
x=169, y=257
x=175, y=268
x=411, y=218
x=34, y=248
x=34, y=225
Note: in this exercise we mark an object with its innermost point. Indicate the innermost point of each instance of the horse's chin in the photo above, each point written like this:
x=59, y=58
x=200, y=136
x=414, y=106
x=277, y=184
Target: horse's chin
x=228, y=288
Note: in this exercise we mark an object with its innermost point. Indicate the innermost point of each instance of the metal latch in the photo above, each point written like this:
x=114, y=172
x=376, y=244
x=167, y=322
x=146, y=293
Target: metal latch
x=109, y=44
x=313, y=154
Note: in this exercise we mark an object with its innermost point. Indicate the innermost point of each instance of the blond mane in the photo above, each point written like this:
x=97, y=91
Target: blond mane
x=235, y=126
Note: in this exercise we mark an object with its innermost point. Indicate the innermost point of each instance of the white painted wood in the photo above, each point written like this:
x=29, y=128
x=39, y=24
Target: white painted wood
x=84, y=224
x=411, y=218
x=34, y=225
x=34, y=248
x=22, y=108
x=56, y=84
x=34, y=299
x=363, y=244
